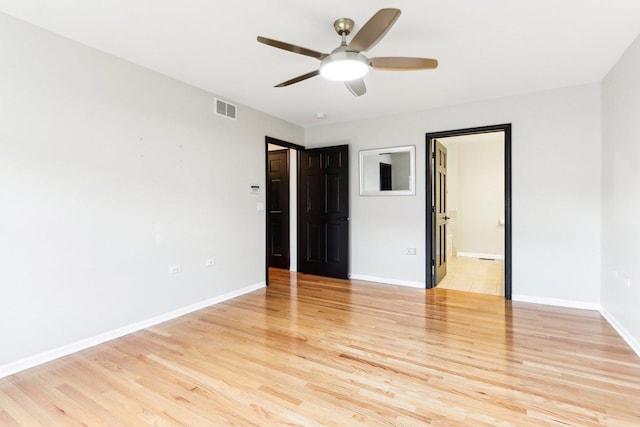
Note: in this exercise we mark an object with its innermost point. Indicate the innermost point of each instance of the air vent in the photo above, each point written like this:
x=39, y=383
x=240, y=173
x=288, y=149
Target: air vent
x=225, y=109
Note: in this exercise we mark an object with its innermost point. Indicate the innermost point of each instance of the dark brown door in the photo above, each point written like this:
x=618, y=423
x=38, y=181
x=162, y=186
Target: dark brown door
x=323, y=212
x=439, y=158
x=278, y=208
x=385, y=177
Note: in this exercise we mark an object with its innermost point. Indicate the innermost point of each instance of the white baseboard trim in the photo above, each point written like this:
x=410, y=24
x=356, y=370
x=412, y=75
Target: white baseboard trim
x=384, y=280
x=629, y=339
x=479, y=255
x=48, y=356
x=621, y=330
x=557, y=302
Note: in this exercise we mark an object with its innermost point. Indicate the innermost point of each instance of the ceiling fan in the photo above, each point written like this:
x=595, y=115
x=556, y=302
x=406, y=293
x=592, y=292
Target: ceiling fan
x=346, y=62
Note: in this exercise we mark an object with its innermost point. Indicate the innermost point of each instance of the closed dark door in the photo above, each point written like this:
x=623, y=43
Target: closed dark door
x=278, y=208
x=439, y=158
x=323, y=212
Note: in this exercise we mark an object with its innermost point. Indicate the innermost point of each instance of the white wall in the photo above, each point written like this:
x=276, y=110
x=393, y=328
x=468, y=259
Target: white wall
x=555, y=183
x=480, y=197
x=621, y=195
x=109, y=175
x=400, y=171
x=371, y=171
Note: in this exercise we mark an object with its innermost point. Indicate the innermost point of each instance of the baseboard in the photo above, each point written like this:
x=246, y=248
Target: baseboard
x=557, y=302
x=387, y=281
x=629, y=339
x=48, y=356
x=479, y=255
x=626, y=336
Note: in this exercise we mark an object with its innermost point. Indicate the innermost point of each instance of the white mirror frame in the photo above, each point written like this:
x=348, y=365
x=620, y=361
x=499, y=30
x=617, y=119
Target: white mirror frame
x=411, y=149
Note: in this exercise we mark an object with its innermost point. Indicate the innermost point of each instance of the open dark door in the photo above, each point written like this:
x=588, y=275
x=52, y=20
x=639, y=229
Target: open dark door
x=439, y=158
x=278, y=208
x=385, y=177
x=323, y=212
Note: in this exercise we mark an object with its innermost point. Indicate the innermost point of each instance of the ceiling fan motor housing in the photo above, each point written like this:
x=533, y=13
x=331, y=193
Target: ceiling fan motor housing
x=343, y=26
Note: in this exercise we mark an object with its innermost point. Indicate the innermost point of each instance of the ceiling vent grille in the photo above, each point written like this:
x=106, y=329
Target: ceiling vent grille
x=225, y=109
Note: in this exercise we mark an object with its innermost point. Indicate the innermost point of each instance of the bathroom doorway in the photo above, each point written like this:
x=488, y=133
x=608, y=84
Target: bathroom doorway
x=469, y=209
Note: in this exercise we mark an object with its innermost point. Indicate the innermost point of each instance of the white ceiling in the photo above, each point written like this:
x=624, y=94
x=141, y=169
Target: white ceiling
x=486, y=48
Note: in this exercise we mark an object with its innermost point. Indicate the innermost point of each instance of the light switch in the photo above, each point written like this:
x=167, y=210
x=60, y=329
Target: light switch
x=260, y=206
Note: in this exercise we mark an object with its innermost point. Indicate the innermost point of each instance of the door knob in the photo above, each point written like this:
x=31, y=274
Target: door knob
x=344, y=218
x=447, y=217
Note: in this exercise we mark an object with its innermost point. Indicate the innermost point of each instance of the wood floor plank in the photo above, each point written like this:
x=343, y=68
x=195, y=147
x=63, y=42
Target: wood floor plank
x=314, y=351
x=7, y=420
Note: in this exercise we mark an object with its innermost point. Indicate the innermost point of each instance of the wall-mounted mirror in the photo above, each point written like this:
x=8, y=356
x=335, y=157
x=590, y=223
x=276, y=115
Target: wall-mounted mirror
x=388, y=171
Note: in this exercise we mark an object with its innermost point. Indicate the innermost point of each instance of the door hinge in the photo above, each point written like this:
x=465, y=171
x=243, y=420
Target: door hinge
x=433, y=209
x=433, y=263
x=433, y=155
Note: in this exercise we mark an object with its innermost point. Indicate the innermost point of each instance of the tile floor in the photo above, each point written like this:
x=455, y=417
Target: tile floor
x=474, y=275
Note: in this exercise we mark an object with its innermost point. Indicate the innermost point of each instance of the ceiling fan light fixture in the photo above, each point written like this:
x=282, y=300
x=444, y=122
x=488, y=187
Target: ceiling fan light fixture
x=344, y=66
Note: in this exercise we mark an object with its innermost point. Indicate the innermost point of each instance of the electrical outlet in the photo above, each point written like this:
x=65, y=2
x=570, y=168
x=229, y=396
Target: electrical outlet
x=627, y=282
x=410, y=251
x=175, y=269
x=615, y=274
x=210, y=262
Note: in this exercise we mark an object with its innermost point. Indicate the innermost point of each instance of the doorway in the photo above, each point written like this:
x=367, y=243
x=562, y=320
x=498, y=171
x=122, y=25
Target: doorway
x=281, y=204
x=318, y=218
x=487, y=250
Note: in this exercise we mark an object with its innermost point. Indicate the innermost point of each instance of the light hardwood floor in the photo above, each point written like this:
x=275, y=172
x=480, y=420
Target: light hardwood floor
x=311, y=351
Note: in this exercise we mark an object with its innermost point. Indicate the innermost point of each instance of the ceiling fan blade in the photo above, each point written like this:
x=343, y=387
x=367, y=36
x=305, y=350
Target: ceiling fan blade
x=374, y=30
x=299, y=78
x=356, y=87
x=292, y=48
x=403, y=63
